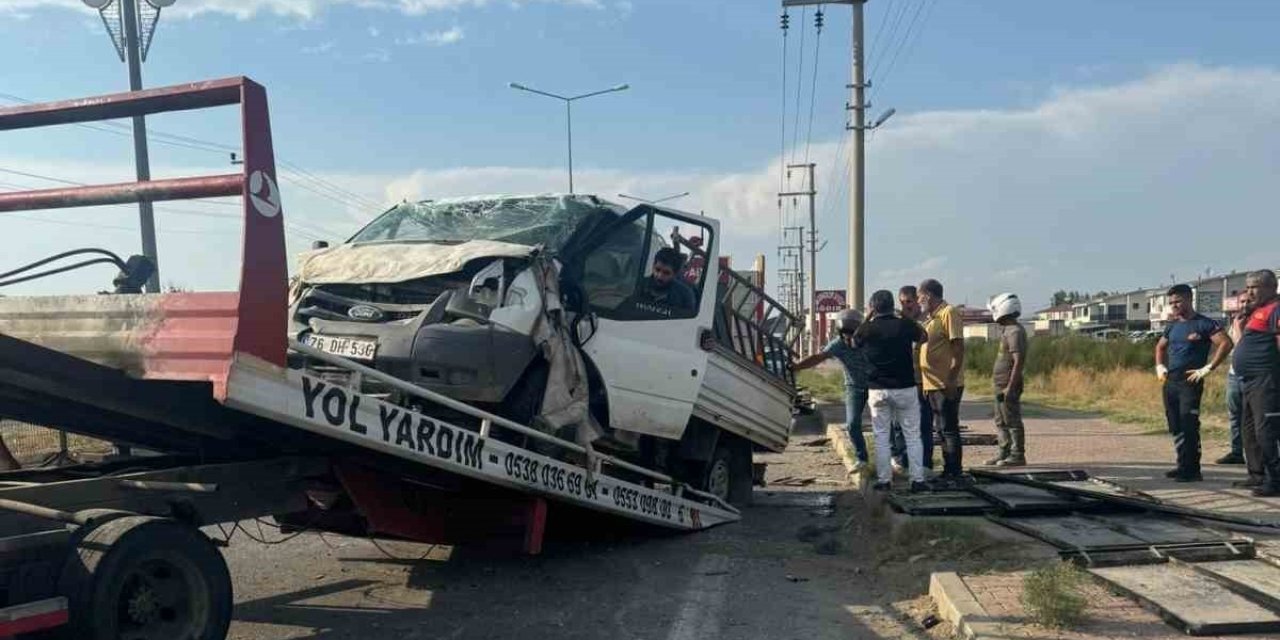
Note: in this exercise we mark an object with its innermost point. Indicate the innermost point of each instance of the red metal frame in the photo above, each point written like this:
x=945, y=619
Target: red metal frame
x=397, y=508
x=33, y=616
x=192, y=336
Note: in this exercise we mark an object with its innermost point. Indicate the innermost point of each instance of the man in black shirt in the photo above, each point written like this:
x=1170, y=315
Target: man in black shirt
x=664, y=287
x=887, y=342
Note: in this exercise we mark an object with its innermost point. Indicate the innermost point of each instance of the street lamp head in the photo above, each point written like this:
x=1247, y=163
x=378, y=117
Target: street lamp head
x=883, y=117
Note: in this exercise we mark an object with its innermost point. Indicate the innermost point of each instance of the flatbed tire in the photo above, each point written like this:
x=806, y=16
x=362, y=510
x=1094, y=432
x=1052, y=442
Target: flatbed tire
x=150, y=577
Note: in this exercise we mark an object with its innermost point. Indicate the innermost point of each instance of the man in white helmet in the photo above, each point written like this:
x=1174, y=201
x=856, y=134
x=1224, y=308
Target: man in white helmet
x=1011, y=359
x=855, y=378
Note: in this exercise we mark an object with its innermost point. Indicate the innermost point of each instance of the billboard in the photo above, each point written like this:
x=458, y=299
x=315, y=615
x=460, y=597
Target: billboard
x=829, y=300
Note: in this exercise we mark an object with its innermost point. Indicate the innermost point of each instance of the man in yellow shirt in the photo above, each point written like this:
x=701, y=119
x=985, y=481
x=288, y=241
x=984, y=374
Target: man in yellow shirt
x=942, y=373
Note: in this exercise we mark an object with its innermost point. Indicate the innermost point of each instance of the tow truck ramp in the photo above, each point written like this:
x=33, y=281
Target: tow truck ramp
x=292, y=397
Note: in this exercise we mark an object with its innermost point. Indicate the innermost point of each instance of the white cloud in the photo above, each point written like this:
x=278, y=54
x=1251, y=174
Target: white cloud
x=323, y=47
x=297, y=9
x=1097, y=187
x=914, y=272
x=433, y=38
x=381, y=54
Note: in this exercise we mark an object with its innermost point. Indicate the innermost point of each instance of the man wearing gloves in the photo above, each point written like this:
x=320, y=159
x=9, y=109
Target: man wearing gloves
x=1182, y=364
x=1011, y=359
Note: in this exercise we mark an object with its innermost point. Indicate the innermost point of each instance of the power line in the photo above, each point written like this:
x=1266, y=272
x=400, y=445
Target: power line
x=782, y=157
x=884, y=19
x=893, y=32
x=795, y=131
x=813, y=86
x=910, y=46
x=312, y=233
x=330, y=190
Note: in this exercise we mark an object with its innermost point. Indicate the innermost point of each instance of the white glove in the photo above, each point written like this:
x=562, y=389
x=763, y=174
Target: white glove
x=1199, y=374
x=1162, y=372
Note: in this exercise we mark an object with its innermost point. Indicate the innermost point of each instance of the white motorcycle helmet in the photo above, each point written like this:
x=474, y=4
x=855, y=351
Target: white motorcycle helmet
x=1004, y=304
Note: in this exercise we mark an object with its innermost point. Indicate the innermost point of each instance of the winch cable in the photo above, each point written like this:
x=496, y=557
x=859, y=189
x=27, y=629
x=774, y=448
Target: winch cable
x=110, y=258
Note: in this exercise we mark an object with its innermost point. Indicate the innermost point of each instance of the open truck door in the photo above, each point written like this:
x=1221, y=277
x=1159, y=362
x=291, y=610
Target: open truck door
x=646, y=349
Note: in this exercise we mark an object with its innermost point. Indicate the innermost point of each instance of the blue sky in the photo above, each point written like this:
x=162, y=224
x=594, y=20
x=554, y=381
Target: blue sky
x=1037, y=145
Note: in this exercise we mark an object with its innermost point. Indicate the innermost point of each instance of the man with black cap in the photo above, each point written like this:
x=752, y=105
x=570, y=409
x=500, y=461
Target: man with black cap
x=855, y=378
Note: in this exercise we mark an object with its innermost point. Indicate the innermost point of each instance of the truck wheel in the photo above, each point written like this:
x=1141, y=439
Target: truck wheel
x=729, y=474
x=146, y=578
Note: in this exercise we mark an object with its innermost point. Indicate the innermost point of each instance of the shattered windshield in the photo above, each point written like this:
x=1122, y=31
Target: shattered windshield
x=532, y=221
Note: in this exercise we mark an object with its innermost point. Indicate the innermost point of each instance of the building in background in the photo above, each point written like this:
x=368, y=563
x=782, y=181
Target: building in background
x=1052, y=321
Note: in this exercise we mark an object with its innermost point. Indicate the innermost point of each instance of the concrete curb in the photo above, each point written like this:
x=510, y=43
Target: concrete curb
x=957, y=605
x=843, y=447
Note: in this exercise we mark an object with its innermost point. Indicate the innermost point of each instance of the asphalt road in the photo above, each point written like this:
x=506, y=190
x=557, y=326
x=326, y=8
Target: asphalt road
x=751, y=579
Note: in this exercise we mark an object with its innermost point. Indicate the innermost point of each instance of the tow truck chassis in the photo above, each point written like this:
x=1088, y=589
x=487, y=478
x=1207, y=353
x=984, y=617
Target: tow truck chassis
x=116, y=549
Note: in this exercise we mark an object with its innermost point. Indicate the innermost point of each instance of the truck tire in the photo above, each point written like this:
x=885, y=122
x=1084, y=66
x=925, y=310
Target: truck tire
x=146, y=578
x=728, y=475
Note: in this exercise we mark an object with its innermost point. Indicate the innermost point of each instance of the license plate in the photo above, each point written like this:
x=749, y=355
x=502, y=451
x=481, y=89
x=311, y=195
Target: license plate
x=354, y=348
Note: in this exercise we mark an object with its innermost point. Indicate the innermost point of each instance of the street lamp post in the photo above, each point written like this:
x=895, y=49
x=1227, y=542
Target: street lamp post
x=131, y=25
x=568, y=111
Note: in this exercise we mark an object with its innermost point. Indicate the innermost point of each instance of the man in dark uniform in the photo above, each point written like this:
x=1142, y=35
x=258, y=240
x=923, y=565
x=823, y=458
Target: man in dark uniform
x=1257, y=362
x=1182, y=364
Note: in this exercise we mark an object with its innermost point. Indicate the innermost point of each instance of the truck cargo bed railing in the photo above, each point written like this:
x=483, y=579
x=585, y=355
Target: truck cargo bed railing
x=749, y=322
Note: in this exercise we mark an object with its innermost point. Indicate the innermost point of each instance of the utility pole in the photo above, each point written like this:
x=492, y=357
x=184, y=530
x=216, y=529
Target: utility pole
x=857, y=170
x=141, y=159
x=810, y=321
x=857, y=165
x=131, y=27
x=792, y=271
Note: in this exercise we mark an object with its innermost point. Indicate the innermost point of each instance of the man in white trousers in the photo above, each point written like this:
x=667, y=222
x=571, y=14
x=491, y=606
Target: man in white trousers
x=886, y=341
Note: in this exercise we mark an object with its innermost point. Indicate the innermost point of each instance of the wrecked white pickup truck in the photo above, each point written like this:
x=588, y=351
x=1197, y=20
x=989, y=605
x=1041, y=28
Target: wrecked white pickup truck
x=537, y=308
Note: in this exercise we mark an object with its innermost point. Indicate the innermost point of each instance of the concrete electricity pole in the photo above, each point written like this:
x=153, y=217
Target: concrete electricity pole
x=857, y=169
x=123, y=19
x=808, y=302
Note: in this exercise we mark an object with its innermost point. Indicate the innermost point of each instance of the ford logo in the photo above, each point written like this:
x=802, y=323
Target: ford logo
x=365, y=313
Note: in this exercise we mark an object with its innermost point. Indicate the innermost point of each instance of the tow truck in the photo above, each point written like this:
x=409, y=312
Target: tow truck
x=127, y=548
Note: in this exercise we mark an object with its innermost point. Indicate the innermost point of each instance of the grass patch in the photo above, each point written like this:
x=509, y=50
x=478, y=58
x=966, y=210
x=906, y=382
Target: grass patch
x=1126, y=396
x=824, y=385
x=1114, y=378
x=1053, y=595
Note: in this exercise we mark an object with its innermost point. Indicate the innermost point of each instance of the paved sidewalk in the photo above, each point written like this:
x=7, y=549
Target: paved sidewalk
x=1108, y=617
x=1128, y=454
